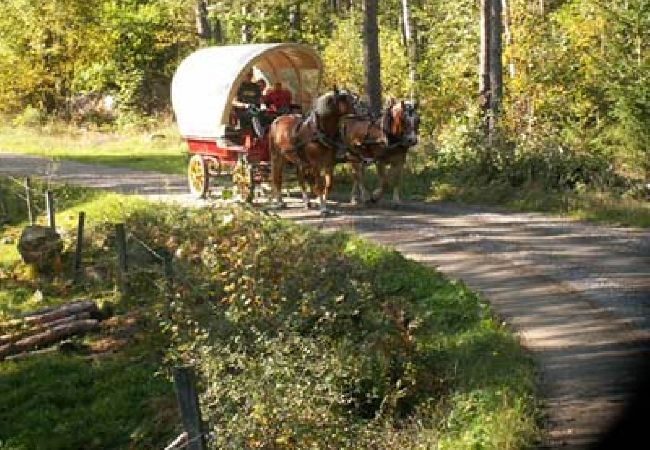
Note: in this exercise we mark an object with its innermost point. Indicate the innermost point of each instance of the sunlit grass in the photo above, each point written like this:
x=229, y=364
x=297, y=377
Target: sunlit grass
x=161, y=151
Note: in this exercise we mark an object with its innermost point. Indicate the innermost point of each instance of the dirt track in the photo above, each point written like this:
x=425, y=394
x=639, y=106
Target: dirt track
x=577, y=295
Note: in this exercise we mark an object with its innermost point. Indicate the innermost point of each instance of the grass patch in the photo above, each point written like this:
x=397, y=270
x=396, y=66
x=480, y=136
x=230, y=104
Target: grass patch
x=97, y=391
x=165, y=152
x=598, y=207
x=299, y=338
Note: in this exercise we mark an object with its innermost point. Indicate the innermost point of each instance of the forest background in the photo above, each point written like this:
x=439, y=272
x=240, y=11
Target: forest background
x=575, y=113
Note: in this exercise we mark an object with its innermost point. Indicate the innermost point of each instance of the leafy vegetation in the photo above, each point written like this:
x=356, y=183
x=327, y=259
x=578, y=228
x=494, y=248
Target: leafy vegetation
x=346, y=343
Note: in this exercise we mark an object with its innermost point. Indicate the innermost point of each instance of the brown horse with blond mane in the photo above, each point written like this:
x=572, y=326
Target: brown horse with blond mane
x=385, y=142
x=310, y=144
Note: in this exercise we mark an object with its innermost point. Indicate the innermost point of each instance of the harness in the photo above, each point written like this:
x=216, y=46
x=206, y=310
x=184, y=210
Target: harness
x=394, y=141
x=365, y=142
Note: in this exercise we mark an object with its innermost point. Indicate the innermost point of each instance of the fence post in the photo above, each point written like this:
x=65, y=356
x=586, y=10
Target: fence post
x=188, y=401
x=80, y=238
x=49, y=200
x=120, y=243
x=28, y=196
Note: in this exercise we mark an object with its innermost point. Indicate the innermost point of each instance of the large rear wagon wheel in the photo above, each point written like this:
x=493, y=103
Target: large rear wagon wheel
x=197, y=176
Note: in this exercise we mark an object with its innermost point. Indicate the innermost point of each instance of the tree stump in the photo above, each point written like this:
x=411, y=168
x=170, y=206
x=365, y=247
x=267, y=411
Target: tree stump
x=41, y=246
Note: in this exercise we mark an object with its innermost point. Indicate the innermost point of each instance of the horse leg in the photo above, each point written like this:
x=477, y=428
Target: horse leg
x=329, y=171
x=397, y=170
x=303, y=185
x=378, y=193
x=356, y=182
x=362, y=188
x=277, y=166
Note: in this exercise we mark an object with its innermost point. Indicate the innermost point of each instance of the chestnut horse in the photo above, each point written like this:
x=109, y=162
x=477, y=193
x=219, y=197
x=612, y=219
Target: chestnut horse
x=400, y=123
x=310, y=144
x=366, y=142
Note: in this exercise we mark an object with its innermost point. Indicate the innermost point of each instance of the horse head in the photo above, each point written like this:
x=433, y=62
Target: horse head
x=401, y=122
x=345, y=102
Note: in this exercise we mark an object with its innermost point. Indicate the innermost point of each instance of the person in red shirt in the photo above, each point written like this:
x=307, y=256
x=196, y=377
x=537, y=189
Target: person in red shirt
x=278, y=99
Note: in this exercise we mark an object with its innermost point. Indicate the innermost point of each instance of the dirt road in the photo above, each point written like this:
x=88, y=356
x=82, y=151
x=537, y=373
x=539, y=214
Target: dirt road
x=577, y=295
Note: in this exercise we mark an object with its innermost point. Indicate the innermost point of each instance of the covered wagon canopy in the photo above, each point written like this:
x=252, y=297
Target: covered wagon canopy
x=206, y=82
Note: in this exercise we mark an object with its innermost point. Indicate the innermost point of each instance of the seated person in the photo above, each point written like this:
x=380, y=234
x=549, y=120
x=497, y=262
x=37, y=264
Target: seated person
x=278, y=99
x=248, y=95
x=263, y=89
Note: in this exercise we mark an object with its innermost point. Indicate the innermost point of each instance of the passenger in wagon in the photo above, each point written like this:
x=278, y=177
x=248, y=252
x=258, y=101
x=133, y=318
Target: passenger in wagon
x=249, y=95
x=278, y=99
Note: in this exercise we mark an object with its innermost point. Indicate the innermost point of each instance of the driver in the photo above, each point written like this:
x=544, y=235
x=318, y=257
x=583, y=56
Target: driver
x=248, y=95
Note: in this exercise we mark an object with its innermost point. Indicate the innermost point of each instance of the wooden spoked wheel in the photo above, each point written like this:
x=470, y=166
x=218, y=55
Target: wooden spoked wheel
x=197, y=176
x=243, y=179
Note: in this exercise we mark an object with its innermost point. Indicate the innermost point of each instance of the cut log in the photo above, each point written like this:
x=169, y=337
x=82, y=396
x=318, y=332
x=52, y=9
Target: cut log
x=38, y=328
x=50, y=315
x=48, y=337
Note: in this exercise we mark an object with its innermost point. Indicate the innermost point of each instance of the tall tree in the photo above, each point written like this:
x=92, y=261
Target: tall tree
x=490, y=60
x=371, y=59
x=496, y=60
x=410, y=46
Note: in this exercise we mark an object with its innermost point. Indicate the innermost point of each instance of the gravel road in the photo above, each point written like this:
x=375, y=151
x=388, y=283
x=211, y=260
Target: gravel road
x=577, y=295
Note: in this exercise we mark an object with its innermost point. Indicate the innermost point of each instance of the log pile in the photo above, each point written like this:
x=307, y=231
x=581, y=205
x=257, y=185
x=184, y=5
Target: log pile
x=47, y=326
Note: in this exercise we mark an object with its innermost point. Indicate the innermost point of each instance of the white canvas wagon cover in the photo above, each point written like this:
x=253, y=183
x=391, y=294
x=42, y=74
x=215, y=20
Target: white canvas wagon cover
x=206, y=82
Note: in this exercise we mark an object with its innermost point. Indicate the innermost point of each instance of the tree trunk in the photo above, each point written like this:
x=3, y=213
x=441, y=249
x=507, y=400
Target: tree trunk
x=507, y=33
x=8, y=338
x=410, y=47
x=484, y=56
x=202, y=25
x=51, y=314
x=48, y=337
x=490, y=62
x=371, y=56
x=495, y=59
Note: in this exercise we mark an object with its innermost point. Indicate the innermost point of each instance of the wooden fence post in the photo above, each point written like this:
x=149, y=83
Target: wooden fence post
x=120, y=244
x=28, y=195
x=51, y=210
x=80, y=238
x=188, y=401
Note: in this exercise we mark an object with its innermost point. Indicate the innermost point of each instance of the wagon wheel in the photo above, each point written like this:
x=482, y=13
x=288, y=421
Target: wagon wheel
x=251, y=183
x=243, y=179
x=197, y=176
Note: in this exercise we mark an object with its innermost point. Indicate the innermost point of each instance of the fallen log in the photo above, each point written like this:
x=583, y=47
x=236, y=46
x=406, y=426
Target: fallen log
x=48, y=337
x=38, y=328
x=51, y=314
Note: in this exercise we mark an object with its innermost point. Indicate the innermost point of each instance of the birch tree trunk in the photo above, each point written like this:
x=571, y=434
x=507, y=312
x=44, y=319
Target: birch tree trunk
x=507, y=33
x=410, y=47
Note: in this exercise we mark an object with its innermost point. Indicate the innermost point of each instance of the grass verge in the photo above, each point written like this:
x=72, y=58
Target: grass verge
x=299, y=339
x=160, y=151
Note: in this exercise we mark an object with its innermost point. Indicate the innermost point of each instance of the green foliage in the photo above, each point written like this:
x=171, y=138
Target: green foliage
x=61, y=49
x=346, y=343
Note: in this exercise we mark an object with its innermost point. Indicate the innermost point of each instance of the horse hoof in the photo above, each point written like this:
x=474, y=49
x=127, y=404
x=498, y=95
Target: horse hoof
x=326, y=212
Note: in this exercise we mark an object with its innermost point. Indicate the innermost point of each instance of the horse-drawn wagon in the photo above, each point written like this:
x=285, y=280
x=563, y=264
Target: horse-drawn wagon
x=203, y=90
